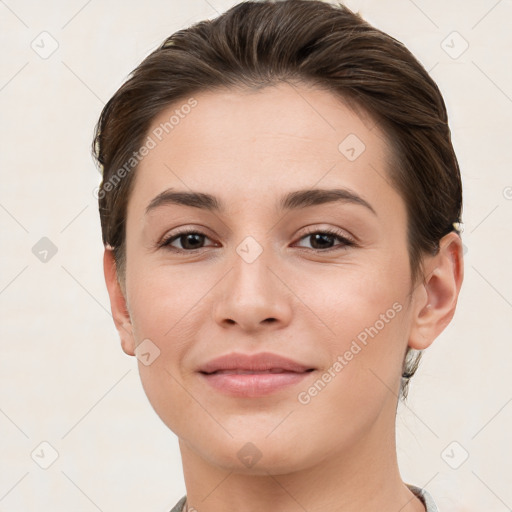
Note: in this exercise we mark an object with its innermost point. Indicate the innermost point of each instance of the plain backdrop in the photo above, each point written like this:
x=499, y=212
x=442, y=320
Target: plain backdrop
x=71, y=400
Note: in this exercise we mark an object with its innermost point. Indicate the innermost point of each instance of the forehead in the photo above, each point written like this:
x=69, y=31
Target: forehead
x=245, y=144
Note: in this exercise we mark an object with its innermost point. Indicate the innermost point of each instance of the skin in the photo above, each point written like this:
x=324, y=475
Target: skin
x=337, y=452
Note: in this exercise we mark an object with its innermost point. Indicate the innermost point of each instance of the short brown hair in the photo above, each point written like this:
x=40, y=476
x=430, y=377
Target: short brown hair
x=256, y=44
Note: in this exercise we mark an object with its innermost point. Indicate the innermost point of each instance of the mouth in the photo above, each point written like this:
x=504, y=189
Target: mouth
x=255, y=375
x=239, y=371
x=263, y=362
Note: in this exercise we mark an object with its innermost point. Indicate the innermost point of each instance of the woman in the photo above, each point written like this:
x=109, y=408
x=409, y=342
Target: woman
x=280, y=207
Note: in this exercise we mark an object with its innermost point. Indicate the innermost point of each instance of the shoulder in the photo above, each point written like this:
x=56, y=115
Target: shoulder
x=425, y=497
x=179, y=505
x=423, y=494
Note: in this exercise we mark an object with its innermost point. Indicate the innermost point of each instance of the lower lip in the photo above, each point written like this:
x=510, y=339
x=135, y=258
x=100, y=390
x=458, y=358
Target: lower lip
x=254, y=384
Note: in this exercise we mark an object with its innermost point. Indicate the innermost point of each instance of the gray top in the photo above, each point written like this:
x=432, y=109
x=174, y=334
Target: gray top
x=179, y=505
x=422, y=494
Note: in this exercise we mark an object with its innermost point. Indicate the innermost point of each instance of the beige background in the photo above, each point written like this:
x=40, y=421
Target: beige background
x=64, y=379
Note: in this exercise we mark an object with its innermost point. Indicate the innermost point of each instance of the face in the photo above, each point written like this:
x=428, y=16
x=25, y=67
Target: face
x=299, y=254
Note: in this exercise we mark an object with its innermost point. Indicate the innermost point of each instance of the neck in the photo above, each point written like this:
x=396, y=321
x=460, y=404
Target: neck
x=363, y=477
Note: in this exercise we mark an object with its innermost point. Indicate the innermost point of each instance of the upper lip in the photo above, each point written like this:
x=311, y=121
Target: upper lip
x=263, y=361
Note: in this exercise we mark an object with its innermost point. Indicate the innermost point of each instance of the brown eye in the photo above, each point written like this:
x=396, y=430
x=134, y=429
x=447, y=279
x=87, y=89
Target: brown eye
x=187, y=241
x=324, y=240
x=321, y=240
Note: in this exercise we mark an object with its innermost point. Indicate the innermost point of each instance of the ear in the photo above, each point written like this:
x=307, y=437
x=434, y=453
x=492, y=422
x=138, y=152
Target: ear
x=436, y=298
x=118, y=305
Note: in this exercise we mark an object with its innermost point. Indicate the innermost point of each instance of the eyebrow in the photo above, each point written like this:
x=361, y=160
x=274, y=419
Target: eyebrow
x=291, y=201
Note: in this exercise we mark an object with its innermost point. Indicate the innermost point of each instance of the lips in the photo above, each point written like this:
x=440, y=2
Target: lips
x=257, y=375
x=249, y=372
x=264, y=362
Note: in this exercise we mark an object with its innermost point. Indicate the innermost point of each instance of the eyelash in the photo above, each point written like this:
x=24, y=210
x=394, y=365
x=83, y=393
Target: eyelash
x=346, y=242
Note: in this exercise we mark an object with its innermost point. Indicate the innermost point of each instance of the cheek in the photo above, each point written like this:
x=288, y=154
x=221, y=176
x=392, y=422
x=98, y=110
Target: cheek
x=350, y=299
x=164, y=306
x=366, y=313
x=163, y=299
x=362, y=375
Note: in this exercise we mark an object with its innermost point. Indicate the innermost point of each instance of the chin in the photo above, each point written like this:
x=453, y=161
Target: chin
x=257, y=453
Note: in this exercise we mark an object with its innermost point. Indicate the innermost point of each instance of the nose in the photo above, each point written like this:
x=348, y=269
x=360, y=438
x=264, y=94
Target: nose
x=253, y=296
